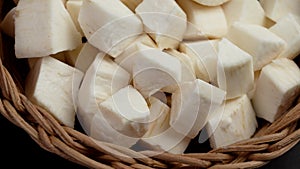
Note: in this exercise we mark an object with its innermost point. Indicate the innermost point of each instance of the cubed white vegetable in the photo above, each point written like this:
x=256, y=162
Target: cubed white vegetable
x=277, y=87
x=233, y=122
x=288, y=28
x=73, y=8
x=127, y=58
x=53, y=85
x=205, y=56
x=109, y=33
x=193, y=33
x=59, y=56
x=169, y=141
x=159, y=117
x=249, y=11
x=235, y=70
x=102, y=130
x=160, y=135
x=276, y=9
x=102, y=79
x=53, y=31
x=154, y=70
x=164, y=20
x=127, y=111
x=191, y=104
x=122, y=118
x=187, y=70
x=110, y=77
x=210, y=21
x=262, y=44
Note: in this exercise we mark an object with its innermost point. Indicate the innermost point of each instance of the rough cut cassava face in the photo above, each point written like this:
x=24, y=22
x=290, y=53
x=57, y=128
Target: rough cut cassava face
x=156, y=74
x=55, y=32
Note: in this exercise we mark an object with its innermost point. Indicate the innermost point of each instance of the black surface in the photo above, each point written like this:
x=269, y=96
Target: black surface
x=18, y=149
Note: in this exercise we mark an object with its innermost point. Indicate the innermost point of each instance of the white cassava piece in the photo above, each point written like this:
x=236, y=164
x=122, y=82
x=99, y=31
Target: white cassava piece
x=262, y=44
x=243, y=11
x=160, y=18
x=122, y=119
x=187, y=69
x=73, y=7
x=108, y=33
x=191, y=104
x=151, y=64
x=102, y=79
x=235, y=70
x=210, y=21
x=54, y=85
x=54, y=30
x=277, y=87
x=232, y=122
x=127, y=117
x=276, y=9
x=127, y=58
x=204, y=55
x=288, y=28
x=160, y=135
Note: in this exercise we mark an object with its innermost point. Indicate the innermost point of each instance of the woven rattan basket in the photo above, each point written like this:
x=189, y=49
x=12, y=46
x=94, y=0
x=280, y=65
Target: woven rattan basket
x=269, y=142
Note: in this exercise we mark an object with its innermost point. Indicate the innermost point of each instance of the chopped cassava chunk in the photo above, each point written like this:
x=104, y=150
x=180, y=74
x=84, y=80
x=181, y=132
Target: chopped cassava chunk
x=277, y=87
x=53, y=85
x=102, y=79
x=53, y=30
x=235, y=70
x=288, y=28
x=210, y=21
x=249, y=11
x=191, y=104
x=262, y=44
x=232, y=122
x=121, y=120
x=160, y=18
x=109, y=33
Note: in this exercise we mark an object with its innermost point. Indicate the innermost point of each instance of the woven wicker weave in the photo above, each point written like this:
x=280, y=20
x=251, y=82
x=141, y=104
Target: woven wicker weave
x=269, y=142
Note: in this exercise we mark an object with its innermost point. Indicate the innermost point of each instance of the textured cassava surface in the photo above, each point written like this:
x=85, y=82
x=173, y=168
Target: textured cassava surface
x=269, y=142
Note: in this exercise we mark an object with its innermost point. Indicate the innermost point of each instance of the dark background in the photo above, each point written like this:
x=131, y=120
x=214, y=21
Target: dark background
x=18, y=149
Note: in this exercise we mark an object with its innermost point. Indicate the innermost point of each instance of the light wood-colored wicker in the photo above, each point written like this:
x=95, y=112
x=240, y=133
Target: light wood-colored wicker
x=269, y=142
